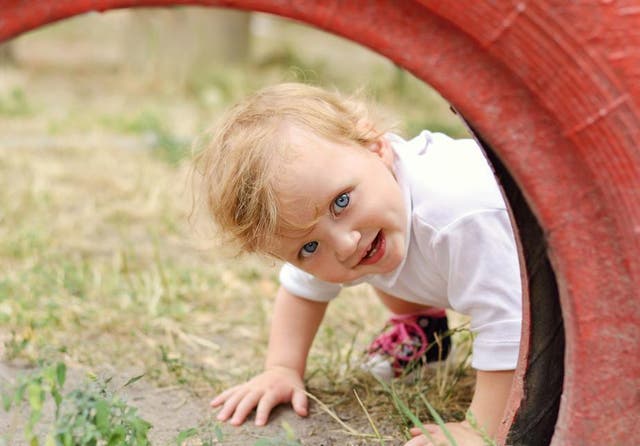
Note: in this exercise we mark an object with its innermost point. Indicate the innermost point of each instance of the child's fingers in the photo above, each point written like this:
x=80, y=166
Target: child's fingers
x=432, y=429
x=420, y=440
x=230, y=404
x=265, y=406
x=244, y=407
x=300, y=402
x=222, y=397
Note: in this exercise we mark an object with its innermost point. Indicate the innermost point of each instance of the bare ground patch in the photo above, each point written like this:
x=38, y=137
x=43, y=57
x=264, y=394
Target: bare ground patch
x=174, y=409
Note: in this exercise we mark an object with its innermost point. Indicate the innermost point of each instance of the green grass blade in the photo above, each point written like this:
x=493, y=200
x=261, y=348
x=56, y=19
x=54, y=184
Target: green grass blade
x=439, y=421
x=406, y=411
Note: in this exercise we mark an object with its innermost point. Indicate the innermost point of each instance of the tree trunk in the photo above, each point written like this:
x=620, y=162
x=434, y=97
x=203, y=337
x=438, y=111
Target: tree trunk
x=175, y=44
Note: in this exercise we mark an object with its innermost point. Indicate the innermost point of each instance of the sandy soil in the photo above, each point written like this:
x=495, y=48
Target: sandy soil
x=171, y=410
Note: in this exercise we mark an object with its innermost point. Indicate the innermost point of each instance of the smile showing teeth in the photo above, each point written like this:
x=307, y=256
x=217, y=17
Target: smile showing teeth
x=375, y=251
x=375, y=244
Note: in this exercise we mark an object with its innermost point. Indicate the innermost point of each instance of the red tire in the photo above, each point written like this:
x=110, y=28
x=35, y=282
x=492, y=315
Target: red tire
x=553, y=88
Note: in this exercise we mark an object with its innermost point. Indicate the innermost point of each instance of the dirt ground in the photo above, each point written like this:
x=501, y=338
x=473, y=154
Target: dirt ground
x=172, y=409
x=76, y=84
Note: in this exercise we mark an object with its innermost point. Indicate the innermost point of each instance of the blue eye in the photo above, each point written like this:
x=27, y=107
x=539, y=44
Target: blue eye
x=308, y=249
x=340, y=203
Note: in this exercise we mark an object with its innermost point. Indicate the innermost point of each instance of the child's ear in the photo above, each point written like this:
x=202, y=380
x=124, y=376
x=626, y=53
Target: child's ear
x=382, y=148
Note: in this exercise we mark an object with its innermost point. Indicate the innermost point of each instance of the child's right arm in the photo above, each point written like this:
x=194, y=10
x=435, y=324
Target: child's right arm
x=293, y=328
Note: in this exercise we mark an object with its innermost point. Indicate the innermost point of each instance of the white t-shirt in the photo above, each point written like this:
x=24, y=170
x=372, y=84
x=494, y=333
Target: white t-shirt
x=460, y=252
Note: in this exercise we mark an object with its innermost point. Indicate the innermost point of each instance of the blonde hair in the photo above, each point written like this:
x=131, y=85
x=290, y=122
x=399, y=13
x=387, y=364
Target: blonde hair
x=239, y=164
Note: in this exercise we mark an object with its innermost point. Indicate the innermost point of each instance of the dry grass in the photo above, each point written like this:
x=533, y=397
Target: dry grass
x=99, y=263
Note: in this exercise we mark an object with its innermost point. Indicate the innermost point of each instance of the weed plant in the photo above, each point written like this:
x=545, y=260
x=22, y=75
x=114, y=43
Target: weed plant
x=87, y=416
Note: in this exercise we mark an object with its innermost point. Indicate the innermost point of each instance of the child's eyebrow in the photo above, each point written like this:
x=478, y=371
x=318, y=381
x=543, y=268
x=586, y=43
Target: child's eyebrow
x=294, y=243
x=326, y=201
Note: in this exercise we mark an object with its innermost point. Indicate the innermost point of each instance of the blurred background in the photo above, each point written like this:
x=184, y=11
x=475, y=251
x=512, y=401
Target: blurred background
x=197, y=59
x=103, y=264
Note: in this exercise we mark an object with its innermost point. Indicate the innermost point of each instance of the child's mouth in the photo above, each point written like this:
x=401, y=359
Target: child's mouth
x=375, y=251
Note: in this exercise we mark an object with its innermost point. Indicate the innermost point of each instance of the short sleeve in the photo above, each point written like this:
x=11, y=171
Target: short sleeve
x=479, y=258
x=303, y=284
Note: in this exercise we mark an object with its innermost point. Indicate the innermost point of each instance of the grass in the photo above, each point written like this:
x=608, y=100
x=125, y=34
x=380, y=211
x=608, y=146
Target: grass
x=15, y=104
x=100, y=263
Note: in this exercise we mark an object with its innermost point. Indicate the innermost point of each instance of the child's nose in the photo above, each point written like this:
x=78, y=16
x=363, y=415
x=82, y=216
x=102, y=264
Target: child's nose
x=346, y=244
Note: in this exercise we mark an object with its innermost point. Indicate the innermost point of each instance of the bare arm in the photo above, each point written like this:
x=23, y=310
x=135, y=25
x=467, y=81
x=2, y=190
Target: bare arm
x=487, y=407
x=490, y=399
x=294, y=325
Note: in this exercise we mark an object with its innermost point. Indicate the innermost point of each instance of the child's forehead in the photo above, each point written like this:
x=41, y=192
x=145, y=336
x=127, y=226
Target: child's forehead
x=302, y=192
x=303, y=139
x=303, y=150
x=298, y=204
x=313, y=170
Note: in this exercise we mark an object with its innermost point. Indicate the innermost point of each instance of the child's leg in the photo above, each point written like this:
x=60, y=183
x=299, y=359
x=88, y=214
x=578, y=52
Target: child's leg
x=416, y=335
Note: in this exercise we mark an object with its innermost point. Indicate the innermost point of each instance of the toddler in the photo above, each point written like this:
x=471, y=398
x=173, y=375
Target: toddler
x=307, y=176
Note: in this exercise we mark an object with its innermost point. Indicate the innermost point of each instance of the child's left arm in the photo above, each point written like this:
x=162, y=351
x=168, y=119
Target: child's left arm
x=487, y=407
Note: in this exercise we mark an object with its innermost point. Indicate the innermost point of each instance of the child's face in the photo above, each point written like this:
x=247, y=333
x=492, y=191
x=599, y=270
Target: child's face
x=358, y=208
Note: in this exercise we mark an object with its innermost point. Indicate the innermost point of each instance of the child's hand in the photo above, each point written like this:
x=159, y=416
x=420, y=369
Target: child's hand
x=463, y=433
x=274, y=386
